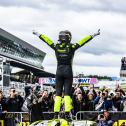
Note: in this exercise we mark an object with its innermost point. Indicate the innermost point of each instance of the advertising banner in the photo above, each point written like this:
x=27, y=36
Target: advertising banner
x=75, y=81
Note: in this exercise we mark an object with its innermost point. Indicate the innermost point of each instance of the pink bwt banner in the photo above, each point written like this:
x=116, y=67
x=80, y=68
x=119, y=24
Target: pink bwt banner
x=75, y=80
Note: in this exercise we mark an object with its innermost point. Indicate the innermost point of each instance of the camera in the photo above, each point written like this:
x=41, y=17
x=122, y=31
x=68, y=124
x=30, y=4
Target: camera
x=13, y=91
x=101, y=116
x=103, y=94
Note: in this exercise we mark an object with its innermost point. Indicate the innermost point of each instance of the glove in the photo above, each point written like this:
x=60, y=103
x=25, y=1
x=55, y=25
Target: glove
x=95, y=34
x=36, y=33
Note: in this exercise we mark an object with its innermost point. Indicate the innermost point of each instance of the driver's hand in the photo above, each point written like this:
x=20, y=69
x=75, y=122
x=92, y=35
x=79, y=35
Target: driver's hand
x=36, y=33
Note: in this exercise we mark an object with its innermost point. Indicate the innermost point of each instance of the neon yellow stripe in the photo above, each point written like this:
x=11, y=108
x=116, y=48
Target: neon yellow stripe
x=67, y=103
x=61, y=50
x=57, y=104
x=84, y=40
x=46, y=39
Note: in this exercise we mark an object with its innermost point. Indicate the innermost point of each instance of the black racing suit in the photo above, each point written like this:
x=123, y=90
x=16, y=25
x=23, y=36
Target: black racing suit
x=64, y=53
x=64, y=74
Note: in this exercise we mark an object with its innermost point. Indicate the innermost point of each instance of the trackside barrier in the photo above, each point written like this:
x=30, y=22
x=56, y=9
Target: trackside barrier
x=15, y=119
x=120, y=123
x=92, y=115
x=48, y=115
x=23, y=118
x=18, y=124
x=24, y=124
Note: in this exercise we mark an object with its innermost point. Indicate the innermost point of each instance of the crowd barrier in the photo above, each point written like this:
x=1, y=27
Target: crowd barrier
x=15, y=119
x=92, y=115
x=23, y=118
x=48, y=115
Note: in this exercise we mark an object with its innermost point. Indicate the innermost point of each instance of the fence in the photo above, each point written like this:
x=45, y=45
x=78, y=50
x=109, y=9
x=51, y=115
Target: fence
x=92, y=115
x=15, y=119
x=23, y=118
x=48, y=115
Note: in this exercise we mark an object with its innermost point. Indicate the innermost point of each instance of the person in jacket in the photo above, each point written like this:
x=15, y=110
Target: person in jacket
x=14, y=101
x=64, y=51
x=104, y=119
x=37, y=103
x=3, y=105
x=117, y=101
x=89, y=102
x=101, y=103
x=79, y=103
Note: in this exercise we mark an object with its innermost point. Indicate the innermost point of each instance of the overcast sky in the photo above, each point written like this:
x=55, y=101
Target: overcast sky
x=100, y=56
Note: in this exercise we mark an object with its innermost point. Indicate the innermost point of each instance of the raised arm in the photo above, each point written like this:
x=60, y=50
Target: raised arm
x=45, y=39
x=85, y=40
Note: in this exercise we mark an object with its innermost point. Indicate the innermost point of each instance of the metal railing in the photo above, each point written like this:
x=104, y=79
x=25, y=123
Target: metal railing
x=48, y=115
x=92, y=115
x=23, y=118
x=14, y=118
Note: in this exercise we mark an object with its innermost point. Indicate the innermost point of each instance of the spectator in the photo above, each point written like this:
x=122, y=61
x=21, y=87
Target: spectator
x=34, y=107
x=52, y=99
x=91, y=91
x=21, y=100
x=101, y=103
x=79, y=103
x=28, y=91
x=117, y=100
x=104, y=119
x=110, y=99
x=108, y=118
x=14, y=102
x=89, y=103
x=45, y=101
x=124, y=106
x=37, y=104
x=3, y=104
x=118, y=89
x=106, y=93
x=77, y=91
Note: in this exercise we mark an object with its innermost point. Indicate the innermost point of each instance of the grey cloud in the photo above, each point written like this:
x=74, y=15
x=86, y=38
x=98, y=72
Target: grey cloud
x=99, y=63
x=97, y=5
x=24, y=3
x=114, y=5
x=73, y=5
x=105, y=60
x=110, y=43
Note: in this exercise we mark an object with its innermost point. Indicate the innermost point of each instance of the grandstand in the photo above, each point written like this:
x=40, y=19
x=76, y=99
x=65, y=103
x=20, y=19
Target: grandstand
x=16, y=53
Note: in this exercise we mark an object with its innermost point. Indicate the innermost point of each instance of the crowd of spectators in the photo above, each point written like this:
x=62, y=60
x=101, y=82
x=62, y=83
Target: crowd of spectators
x=38, y=101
